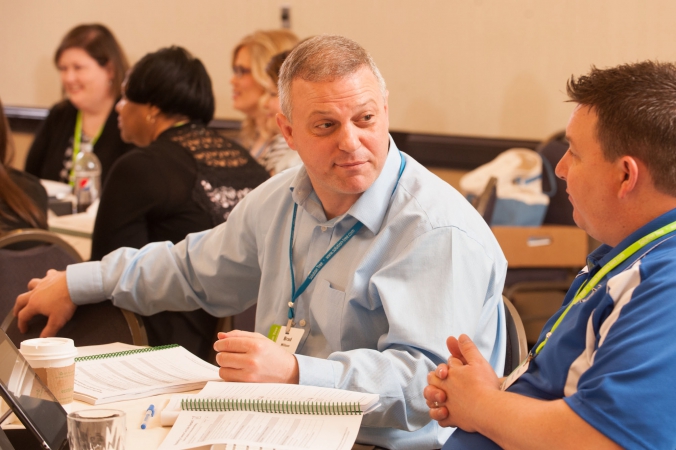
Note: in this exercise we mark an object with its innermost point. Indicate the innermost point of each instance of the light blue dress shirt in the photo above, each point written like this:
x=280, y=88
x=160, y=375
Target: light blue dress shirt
x=424, y=266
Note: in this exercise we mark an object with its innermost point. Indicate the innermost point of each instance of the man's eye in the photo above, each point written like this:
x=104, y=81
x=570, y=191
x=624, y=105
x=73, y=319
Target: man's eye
x=368, y=117
x=325, y=125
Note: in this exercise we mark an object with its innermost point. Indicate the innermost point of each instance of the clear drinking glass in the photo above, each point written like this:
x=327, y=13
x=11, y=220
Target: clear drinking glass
x=97, y=429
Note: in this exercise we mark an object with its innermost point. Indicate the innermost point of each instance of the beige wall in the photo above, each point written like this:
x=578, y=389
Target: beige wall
x=492, y=68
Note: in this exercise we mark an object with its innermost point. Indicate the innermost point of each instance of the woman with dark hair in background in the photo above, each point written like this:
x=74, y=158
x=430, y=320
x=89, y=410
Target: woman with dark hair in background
x=23, y=200
x=92, y=65
x=183, y=178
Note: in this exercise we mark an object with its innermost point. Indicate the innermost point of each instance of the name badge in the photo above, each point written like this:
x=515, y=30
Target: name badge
x=288, y=341
x=516, y=373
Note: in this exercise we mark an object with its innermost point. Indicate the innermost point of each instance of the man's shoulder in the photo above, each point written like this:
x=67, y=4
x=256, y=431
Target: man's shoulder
x=658, y=262
x=438, y=206
x=437, y=199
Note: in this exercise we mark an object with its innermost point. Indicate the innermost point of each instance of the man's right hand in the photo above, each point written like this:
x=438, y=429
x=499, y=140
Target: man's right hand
x=48, y=296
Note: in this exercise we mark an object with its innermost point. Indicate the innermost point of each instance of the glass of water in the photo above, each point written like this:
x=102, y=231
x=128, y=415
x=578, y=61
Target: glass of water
x=97, y=429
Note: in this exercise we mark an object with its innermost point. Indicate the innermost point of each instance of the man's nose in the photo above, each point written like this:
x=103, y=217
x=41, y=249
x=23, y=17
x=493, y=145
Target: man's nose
x=349, y=138
x=561, y=169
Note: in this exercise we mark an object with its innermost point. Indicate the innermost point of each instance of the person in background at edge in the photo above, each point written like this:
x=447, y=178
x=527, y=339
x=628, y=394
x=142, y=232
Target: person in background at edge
x=367, y=258
x=182, y=178
x=23, y=200
x=601, y=373
x=249, y=83
x=92, y=65
x=277, y=153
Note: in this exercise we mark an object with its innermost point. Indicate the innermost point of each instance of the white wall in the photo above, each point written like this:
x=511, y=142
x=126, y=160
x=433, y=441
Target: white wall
x=493, y=68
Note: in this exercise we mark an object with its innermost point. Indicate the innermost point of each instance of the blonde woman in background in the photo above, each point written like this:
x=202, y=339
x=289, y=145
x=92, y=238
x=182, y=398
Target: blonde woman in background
x=249, y=83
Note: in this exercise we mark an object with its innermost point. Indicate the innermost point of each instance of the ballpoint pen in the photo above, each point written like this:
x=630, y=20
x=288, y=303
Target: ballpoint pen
x=150, y=412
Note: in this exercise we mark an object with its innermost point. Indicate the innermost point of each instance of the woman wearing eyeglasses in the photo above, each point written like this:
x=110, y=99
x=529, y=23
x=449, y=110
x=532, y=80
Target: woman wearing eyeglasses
x=249, y=83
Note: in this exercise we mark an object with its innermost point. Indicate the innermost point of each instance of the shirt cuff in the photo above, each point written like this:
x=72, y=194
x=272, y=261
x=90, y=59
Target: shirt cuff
x=85, y=284
x=315, y=371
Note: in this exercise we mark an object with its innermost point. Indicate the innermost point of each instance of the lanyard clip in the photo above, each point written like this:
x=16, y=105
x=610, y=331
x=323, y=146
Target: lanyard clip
x=289, y=324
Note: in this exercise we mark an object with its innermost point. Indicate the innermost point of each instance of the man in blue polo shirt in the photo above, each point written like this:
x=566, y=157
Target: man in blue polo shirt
x=601, y=373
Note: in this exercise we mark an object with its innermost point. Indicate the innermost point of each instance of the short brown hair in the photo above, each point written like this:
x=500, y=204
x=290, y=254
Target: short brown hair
x=99, y=43
x=323, y=58
x=636, y=109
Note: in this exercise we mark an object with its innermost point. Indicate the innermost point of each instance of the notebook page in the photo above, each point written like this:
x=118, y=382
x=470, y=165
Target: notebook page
x=265, y=430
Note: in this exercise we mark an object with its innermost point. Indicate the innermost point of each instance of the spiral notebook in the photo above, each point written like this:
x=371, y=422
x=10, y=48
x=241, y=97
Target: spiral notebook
x=111, y=377
x=266, y=415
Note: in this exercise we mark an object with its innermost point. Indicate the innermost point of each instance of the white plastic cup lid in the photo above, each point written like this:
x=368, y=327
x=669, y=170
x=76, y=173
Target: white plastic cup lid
x=48, y=348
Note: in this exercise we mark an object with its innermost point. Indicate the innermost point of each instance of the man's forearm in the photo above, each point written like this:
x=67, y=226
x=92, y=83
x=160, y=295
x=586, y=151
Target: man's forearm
x=515, y=421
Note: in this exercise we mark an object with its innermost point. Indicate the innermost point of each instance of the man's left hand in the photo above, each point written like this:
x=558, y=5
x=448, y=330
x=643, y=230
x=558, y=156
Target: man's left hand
x=253, y=358
x=455, y=389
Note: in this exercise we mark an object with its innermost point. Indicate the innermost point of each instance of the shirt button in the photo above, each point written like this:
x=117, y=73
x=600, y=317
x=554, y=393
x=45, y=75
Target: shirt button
x=302, y=322
x=323, y=228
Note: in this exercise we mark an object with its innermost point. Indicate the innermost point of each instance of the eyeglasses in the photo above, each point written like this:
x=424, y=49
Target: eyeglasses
x=240, y=71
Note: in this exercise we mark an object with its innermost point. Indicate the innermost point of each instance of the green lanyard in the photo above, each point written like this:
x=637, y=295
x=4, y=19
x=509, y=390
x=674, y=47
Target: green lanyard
x=587, y=287
x=77, y=138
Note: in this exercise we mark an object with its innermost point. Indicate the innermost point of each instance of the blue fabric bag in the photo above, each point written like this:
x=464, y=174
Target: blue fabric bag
x=520, y=200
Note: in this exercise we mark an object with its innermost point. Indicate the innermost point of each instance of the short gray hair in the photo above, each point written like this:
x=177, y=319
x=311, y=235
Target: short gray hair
x=323, y=58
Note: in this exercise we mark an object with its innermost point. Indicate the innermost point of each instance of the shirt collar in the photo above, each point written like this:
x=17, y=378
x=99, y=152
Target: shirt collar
x=605, y=253
x=371, y=206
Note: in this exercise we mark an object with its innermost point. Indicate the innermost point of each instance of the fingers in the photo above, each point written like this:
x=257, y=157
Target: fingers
x=469, y=351
x=441, y=371
x=24, y=312
x=439, y=414
x=243, y=334
x=454, y=347
x=21, y=302
x=33, y=283
x=454, y=362
x=234, y=344
x=434, y=396
x=51, y=328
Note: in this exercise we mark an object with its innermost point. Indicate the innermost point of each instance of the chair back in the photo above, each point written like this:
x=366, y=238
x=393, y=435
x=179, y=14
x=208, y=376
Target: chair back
x=485, y=203
x=93, y=324
x=517, y=348
x=40, y=251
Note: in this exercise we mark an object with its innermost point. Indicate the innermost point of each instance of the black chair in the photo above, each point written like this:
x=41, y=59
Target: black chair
x=485, y=202
x=27, y=254
x=94, y=324
x=517, y=349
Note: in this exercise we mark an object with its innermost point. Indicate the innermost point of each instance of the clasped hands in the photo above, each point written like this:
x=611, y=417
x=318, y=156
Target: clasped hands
x=456, y=391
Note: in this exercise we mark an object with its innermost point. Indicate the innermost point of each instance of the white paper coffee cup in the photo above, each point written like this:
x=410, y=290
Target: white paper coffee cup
x=53, y=360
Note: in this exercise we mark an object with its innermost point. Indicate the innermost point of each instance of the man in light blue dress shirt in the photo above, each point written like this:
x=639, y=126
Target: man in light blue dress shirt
x=404, y=260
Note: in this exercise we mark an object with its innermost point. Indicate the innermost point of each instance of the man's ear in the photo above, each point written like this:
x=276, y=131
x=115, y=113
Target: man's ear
x=630, y=171
x=286, y=128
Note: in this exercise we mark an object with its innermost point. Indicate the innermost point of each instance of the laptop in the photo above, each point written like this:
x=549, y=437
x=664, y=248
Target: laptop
x=31, y=401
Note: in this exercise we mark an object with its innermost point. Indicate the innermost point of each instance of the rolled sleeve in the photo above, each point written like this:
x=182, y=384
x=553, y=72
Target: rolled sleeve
x=85, y=283
x=317, y=371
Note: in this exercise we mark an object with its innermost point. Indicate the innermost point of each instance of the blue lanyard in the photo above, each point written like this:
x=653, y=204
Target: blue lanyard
x=327, y=257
